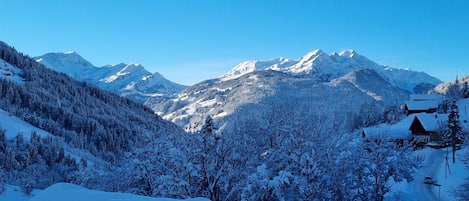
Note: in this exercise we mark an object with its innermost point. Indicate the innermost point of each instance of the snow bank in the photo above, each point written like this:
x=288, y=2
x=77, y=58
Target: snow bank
x=14, y=193
x=70, y=192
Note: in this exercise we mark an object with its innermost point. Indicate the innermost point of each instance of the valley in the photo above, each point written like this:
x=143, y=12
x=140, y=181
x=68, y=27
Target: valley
x=284, y=129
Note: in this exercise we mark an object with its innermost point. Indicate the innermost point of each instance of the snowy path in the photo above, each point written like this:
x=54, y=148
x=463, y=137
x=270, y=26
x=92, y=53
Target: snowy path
x=431, y=168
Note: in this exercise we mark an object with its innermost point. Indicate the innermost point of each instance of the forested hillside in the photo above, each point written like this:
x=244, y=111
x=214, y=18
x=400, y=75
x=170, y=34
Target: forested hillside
x=85, y=116
x=105, y=142
x=81, y=118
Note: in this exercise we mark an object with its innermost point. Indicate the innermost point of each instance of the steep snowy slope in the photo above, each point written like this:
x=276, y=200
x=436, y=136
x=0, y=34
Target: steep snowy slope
x=9, y=72
x=319, y=65
x=369, y=82
x=131, y=80
x=262, y=99
x=88, y=120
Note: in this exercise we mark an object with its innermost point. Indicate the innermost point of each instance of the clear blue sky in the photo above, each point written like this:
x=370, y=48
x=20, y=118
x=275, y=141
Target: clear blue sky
x=192, y=40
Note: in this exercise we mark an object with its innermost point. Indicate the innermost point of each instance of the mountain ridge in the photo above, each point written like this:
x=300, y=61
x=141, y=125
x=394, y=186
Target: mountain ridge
x=119, y=78
x=318, y=64
x=254, y=96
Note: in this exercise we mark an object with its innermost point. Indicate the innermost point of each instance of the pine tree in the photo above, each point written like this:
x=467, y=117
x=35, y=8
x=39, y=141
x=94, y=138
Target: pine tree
x=212, y=162
x=465, y=91
x=455, y=133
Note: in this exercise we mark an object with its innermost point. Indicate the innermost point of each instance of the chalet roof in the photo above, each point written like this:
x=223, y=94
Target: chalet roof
x=421, y=105
x=399, y=130
x=390, y=132
x=430, y=122
x=425, y=97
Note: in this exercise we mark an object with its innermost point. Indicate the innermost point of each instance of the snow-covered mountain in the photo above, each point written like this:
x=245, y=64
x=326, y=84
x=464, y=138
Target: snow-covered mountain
x=344, y=82
x=319, y=65
x=264, y=98
x=56, y=129
x=130, y=80
x=274, y=135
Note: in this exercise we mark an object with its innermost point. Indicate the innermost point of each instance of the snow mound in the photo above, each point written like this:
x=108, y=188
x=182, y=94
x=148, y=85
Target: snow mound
x=14, y=193
x=71, y=192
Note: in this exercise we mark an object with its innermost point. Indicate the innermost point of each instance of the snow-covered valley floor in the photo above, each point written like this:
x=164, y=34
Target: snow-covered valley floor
x=70, y=192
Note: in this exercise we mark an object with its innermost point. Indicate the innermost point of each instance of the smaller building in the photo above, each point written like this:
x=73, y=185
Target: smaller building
x=423, y=103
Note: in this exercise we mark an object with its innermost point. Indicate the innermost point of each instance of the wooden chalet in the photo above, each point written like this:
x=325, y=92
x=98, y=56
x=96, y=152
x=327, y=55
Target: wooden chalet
x=424, y=127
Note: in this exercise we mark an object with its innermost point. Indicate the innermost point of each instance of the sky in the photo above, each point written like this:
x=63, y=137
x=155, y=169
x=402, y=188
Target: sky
x=189, y=41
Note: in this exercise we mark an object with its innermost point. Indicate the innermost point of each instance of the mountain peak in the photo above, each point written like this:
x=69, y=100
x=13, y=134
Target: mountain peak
x=135, y=65
x=131, y=79
x=314, y=53
x=70, y=52
x=64, y=61
x=326, y=67
x=348, y=53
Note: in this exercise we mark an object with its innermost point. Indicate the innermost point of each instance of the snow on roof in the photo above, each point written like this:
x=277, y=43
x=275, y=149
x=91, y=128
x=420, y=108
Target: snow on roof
x=431, y=122
x=421, y=105
x=426, y=97
x=391, y=132
x=399, y=130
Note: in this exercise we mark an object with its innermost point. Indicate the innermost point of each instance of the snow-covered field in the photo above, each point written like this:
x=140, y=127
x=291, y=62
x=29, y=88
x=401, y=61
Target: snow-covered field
x=14, y=193
x=70, y=192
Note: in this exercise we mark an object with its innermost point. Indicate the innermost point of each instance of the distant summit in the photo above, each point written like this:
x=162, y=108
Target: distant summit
x=131, y=80
x=319, y=65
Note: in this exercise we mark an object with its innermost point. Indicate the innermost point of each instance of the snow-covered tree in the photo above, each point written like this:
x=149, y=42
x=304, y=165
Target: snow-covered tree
x=2, y=181
x=393, y=114
x=369, y=115
x=3, y=146
x=159, y=170
x=455, y=133
x=454, y=91
x=262, y=185
x=212, y=159
x=382, y=161
x=465, y=90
